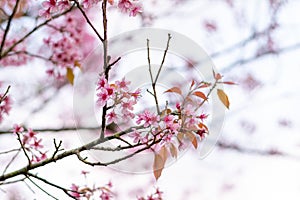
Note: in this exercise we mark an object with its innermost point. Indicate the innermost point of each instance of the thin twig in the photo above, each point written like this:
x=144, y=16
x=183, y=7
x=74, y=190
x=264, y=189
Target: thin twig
x=9, y=151
x=10, y=162
x=8, y=27
x=163, y=59
x=65, y=190
x=39, y=187
x=88, y=20
x=5, y=94
x=34, y=30
x=154, y=81
x=23, y=148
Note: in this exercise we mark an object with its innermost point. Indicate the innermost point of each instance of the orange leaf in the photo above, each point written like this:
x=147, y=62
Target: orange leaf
x=70, y=75
x=175, y=90
x=192, y=138
x=173, y=150
x=166, y=112
x=223, y=97
x=201, y=125
x=200, y=94
x=158, y=165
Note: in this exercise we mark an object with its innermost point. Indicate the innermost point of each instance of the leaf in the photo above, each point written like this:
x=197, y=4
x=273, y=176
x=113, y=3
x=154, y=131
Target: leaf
x=201, y=125
x=180, y=136
x=164, y=153
x=158, y=166
x=229, y=83
x=217, y=76
x=175, y=90
x=165, y=112
x=200, y=94
x=192, y=84
x=173, y=150
x=77, y=64
x=70, y=75
x=192, y=138
x=223, y=97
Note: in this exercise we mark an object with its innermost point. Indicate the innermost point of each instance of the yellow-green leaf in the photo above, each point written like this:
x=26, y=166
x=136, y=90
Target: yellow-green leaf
x=223, y=97
x=70, y=75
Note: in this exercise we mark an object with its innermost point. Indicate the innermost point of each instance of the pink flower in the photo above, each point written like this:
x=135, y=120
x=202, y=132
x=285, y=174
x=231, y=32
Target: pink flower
x=102, y=83
x=18, y=129
x=124, y=5
x=135, y=10
x=89, y=3
x=75, y=191
x=148, y=118
x=31, y=133
x=123, y=84
x=5, y=106
x=102, y=97
x=63, y=5
x=112, y=117
x=50, y=4
x=127, y=6
x=202, y=117
x=37, y=144
x=48, y=8
x=135, y=135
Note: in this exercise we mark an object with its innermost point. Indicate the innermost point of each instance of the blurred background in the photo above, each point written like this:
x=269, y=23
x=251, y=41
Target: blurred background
x=253, y=43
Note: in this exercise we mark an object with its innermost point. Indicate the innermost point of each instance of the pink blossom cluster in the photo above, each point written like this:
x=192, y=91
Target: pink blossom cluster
x=69, y=45
x=131, y=7
x=5, y=106
x=31, y=143
x=183, y=118
x=118, y=97
x=16, y=57
x=53, y=6
x=87, y=192
x=157, y=195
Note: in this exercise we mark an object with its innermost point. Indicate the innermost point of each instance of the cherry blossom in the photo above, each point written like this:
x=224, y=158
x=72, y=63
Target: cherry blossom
x=131, y=7
x=5, y=106
x=147, y=118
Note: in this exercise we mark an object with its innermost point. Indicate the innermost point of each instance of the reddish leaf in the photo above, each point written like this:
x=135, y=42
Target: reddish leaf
x=204, y=85
x=158, y=165
x=201, y=125
x=200, y=94
x=175, y=90
x=192, y=84
x=229, y=83
x=223, y=97
x=192, y=138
